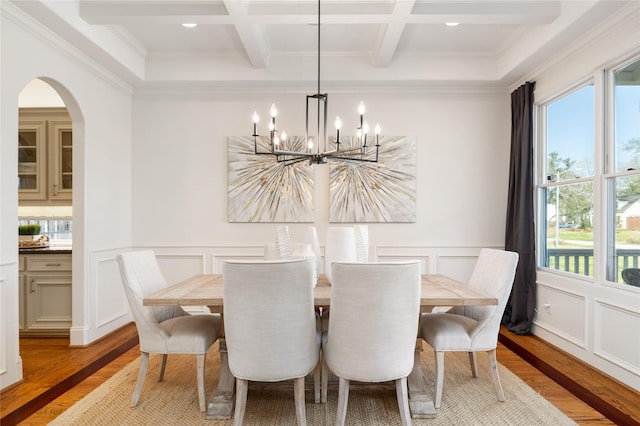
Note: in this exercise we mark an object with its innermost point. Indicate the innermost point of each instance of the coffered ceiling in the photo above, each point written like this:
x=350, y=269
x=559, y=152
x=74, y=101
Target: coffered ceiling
x=368, y=43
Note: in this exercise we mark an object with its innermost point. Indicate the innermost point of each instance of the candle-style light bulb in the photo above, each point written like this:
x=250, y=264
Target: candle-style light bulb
x=338, y=123
x=274, y=110
x=284, y=136
x=256, y=117
x=377, y=129
x=271, y=126
x=365, y=128
x=310, y=143
x=276, y=140
x=361, y=108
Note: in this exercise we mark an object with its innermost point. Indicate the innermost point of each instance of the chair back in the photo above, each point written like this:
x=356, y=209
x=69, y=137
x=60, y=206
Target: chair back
x=373, y=320
x=493, y=274
x=141, y=277
x=269, y=319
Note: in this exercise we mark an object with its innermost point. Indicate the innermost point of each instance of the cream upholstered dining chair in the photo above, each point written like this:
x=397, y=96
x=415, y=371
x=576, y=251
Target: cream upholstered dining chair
x=164, y=329
x=270, y=326
x=373, y=324
x=473, y=328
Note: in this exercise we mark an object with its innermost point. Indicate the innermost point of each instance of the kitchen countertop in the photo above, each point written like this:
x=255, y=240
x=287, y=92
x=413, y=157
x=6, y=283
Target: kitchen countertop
x=45, y=250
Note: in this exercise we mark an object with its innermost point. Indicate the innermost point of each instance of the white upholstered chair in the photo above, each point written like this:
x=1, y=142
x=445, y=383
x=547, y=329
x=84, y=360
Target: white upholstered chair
x=270, y=326
x=163, y=329
x=473, y=328
x=373, y=324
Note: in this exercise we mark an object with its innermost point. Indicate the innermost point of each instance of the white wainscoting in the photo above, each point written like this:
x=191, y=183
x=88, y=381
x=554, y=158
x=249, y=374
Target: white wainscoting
x=3, y=330
x=562, y=313
x=617, y=334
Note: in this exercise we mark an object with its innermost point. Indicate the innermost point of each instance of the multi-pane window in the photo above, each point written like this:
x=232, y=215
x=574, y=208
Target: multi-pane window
x=623, y=177
x=566, y=190
x=571, y=209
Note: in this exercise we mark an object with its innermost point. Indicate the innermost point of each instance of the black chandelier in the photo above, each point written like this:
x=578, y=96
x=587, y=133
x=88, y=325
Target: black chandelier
x=317, y=154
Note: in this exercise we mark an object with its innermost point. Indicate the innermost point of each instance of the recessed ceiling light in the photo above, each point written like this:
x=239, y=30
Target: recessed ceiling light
x=452, y=24
x=188, y=25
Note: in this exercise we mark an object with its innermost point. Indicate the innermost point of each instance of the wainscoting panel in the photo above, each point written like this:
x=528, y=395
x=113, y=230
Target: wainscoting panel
x=562, y=313
x=177, y=267
x=110, y=301
x=617, y=335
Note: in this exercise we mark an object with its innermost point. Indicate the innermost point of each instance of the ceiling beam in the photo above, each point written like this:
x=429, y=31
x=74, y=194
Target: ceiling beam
x=250, y=35
x=390, y=34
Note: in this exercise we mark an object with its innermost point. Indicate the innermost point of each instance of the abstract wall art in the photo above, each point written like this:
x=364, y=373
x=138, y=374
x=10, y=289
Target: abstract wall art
x=375, y=192
x=263, y=190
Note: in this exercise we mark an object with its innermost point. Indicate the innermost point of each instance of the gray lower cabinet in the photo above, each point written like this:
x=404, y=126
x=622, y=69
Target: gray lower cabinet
x=45, y=294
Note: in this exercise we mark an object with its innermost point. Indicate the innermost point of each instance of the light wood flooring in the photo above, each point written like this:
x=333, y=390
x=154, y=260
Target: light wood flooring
x=51, y=367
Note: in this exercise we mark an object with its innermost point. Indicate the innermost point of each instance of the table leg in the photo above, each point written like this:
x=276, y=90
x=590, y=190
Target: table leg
x=221, y=403
x=420, y=403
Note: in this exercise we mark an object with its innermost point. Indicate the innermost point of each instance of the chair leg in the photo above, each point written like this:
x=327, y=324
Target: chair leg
x=473, y=363
x=439, y=377
x=163, y=365
x=316, y=381
x=493, y=366
x=325, y=381
x=242, y=386
x=402, y=395
x=343, y=400
x=298, y=393
x=200, y=361
x=142, y=372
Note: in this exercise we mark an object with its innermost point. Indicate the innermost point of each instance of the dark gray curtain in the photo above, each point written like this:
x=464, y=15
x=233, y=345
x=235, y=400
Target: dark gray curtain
x=520, y=230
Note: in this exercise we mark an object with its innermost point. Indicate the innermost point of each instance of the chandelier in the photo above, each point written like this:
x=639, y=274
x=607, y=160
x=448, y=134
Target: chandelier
x=318, y=153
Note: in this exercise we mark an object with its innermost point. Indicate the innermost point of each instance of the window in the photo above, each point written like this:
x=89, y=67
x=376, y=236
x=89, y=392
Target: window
x=566, y=190
x=59, y=230
x=623, y=178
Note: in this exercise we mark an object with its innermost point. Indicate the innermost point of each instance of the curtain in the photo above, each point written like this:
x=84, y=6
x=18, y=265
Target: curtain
x=520, y=230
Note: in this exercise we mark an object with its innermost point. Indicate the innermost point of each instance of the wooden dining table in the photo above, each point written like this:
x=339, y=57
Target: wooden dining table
x=207, y=290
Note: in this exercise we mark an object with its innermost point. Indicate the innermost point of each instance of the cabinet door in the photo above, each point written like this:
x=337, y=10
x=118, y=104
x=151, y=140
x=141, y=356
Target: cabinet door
x=61, y=160
x=32, y=157
x=48, y=302
x=21, y=302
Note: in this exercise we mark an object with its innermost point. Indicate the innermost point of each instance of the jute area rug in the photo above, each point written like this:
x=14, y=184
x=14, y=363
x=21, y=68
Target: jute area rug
x=174, y=401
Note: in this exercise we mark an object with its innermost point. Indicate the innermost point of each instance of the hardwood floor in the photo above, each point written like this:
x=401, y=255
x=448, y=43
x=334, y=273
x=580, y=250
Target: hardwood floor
x=54, y=378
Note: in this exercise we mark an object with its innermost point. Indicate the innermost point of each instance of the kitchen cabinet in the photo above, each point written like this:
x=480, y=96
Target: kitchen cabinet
x=45, y=156
x=45, y=298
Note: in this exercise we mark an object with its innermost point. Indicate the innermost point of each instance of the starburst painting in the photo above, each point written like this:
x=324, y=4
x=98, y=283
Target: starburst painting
x=264, y=190
x=375, y=192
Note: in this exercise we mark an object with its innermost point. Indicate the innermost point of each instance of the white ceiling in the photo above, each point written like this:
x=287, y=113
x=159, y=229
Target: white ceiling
x=256, y=43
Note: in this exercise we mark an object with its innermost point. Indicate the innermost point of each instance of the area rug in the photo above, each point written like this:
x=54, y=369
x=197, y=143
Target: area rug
x=174, y=401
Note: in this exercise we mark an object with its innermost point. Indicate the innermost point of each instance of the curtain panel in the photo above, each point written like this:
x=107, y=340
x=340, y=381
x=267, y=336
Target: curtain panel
x=520, y=227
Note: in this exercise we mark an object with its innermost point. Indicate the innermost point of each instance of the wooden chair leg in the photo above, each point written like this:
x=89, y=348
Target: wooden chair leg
x=316, y=381
x=241, y=401
x=142, y=372
x=325, y=381
x=493, y=366
x=298, y=393
x=200, y=362
x=473, y=363
x=439, y=378
x=402, y=395
x=343, y=400
x=163, y=365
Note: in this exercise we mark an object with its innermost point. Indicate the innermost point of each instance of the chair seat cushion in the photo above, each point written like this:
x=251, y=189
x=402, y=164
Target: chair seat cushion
x=447, y=332
x=191, y=333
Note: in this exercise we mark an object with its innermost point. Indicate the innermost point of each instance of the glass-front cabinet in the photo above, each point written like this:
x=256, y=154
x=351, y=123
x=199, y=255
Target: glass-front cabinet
x=45, y=156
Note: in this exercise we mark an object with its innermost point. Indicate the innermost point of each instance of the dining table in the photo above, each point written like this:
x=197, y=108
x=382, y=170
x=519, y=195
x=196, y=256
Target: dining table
x=437, y=290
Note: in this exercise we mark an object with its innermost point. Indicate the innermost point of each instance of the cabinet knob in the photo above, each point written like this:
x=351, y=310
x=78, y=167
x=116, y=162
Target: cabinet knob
x=55, y=189
x=32, y=285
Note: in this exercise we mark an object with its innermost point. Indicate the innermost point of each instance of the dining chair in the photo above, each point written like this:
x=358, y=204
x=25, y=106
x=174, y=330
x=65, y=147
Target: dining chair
x=164, y=329
x=270, y=326
x=473, y=328
x=373, y=324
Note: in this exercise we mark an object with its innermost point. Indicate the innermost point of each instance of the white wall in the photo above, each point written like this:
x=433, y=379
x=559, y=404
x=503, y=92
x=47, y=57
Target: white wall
x=594, y=320
x=100, y=107
x=180, y=160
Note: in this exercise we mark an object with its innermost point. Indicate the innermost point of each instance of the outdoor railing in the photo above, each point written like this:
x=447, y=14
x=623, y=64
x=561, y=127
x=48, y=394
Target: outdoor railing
x=580, y=261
